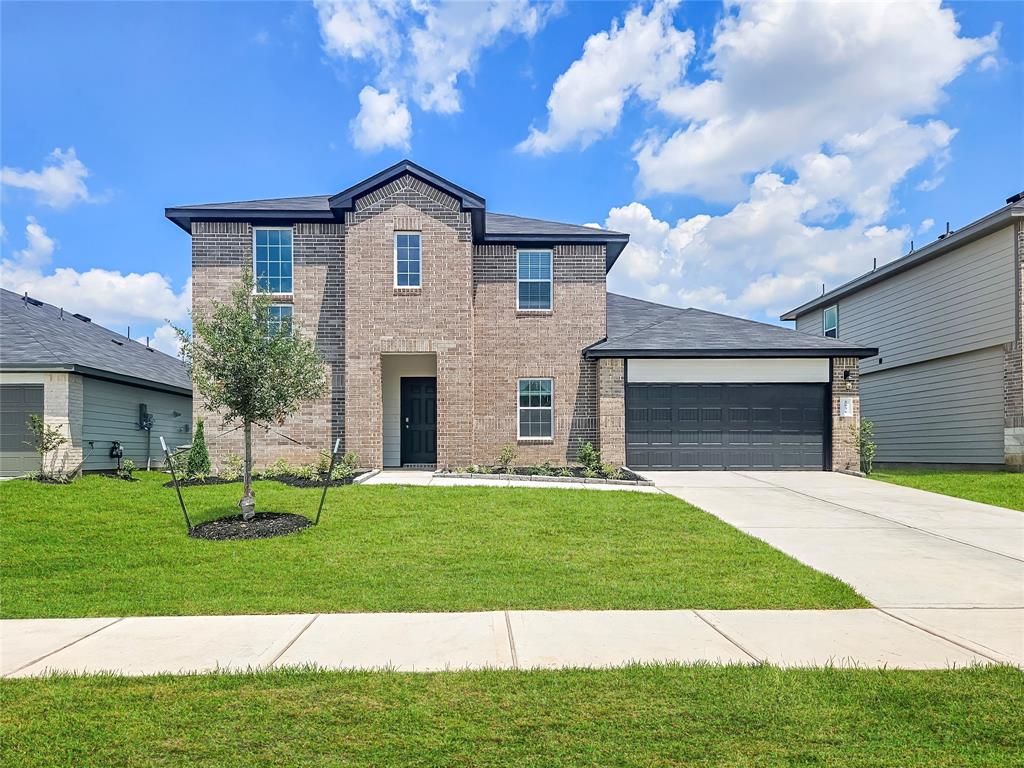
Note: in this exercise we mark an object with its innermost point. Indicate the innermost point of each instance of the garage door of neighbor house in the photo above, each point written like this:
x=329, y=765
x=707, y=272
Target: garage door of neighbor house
x=17, y=402
x=725, y=426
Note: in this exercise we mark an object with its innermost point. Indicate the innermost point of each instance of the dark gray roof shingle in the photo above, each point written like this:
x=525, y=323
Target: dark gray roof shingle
x=36, y=337
x=506, y=224
x=639, y=328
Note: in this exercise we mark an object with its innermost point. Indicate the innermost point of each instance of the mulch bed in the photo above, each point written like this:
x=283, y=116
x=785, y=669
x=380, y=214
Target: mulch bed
x=115, y=476
x=187, y=482
x=264, y=525
x=292, y=480
x=556, y=472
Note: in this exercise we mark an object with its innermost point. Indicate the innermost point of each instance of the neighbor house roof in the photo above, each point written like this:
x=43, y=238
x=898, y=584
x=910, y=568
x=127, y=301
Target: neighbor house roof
x=639, y=328
x=35, y=336
x=487, y=227
x=986, y=225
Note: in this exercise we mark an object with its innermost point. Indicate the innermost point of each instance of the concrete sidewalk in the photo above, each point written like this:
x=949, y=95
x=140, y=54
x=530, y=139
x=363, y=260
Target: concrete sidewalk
x=424, y=642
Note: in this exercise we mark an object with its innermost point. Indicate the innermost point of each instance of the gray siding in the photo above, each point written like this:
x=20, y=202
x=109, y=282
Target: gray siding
x=959, y=302
x=948, y=410
x=111, y=412
x=811, y=323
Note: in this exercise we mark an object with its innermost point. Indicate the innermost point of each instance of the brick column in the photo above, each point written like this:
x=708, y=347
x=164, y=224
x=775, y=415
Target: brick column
x=845, y=456
x=63, y=405
x=611, y=409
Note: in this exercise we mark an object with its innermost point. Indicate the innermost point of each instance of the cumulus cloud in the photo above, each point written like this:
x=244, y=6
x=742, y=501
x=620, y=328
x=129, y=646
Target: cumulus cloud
x=642, y=57
x=60, y=183
x=109, y=297
x=791, y=78
x=383, y=121
x=421, y=52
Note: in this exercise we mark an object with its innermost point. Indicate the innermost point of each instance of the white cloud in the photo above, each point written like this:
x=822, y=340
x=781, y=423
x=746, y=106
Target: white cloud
x=643, y=57
x=59, y=184
x=925, y=226
x=165, y=338
x=109, y=297
x=383, y=121
x=420, y=51
x=792, y=78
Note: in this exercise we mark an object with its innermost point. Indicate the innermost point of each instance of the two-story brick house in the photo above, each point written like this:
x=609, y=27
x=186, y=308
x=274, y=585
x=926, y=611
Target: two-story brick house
x=449, y=331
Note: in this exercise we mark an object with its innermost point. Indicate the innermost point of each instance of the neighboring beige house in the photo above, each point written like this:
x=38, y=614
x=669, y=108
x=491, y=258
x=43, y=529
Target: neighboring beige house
x=946, y=386
x=449, y=331
x=97, y=386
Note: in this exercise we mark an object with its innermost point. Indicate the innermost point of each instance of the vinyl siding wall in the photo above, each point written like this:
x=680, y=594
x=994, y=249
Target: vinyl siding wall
x=947, y=410
x=111, y=412
x=935, y=390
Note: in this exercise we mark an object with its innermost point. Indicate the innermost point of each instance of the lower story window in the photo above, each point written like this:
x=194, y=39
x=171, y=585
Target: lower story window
x=535, y=408
x=280, y=319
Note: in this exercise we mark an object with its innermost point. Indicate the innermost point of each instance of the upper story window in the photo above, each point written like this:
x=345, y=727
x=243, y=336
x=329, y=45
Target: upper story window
x=408, y=260
x=535, y=409
x=272, y=260
x=280, y=319
x=831, y=322
x=533, y=273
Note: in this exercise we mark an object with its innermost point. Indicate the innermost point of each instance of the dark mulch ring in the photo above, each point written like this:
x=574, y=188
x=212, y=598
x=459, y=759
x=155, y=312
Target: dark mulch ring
x=187, y=482
x=264, y=525
x=115, y=476
x=311, y=482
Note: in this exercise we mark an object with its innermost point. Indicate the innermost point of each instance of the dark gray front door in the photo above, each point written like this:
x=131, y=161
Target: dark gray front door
x=725, y=426
x=419, y=420
x=17, y=403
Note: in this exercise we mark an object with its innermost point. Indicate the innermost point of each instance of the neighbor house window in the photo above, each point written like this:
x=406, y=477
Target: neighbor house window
x=535, y=409
x=831, y=317
x=408, y=260
x=280, y=319
x=272, y=260
x=534, y=279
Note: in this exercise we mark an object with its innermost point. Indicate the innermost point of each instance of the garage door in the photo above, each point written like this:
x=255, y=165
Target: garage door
x=17, y=402
x=725, y=426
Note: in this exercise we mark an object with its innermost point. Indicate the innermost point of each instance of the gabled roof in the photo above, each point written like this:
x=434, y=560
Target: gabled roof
x=639, y=328
x=35, y=336
x=487, y=227
x=986, y=225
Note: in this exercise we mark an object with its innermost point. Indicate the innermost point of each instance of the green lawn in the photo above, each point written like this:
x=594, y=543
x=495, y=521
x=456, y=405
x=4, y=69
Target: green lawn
x=103, y=547
x=636, y=716
x=1004, y=489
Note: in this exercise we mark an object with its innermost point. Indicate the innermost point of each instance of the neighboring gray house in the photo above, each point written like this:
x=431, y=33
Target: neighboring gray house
x=946, y=386
x=96, y=385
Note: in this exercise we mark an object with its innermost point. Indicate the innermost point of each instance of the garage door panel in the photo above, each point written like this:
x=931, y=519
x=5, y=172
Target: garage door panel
x=723, y=426
x=17, y=403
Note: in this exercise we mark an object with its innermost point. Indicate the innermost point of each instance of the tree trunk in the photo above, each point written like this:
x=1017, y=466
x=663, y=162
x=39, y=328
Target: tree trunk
x=248, y=502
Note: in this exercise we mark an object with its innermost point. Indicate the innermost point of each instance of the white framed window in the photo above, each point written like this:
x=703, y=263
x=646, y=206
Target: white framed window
x=280, y=319
x=272, y=259
x=536, y=409
x=830, y=320
x=533, y=280
x=408, y=260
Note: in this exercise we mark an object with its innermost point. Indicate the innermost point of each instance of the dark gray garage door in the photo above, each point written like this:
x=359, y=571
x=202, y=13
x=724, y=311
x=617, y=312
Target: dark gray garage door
x=17, y=401
x=725, y=426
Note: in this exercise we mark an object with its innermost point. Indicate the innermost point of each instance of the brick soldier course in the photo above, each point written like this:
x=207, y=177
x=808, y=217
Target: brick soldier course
x=345, y=296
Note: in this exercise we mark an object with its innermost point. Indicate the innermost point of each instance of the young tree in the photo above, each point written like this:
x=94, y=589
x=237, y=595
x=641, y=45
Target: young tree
x=197, y=464
x=251, y=370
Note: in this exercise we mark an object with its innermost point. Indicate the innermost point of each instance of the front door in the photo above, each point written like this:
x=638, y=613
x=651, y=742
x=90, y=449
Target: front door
x=419, y=420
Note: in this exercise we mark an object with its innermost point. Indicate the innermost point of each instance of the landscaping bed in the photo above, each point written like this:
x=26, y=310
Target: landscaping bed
x=296, y=481
x=635, y=716
x=622, y=476
x=97, y=548
x=263, y=525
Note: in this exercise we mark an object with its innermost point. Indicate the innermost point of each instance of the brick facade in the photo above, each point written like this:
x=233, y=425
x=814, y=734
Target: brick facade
x=611, y=409
x=845, y=456
x=1013, y=368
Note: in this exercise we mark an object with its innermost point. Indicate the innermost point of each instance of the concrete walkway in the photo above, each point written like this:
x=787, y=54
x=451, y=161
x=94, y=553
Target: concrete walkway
x=421, y=642
x=424, y=477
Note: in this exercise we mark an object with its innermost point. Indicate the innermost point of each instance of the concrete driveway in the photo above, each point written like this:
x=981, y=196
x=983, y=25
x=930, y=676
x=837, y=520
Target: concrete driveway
x=948, y=565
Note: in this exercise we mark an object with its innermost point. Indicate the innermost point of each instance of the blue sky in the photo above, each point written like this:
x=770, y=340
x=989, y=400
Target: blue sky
x=753, y=152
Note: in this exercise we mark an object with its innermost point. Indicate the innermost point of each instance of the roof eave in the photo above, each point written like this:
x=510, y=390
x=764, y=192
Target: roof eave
x=345, y=200
x=860, y=352
x=614, y=242
x=95, y=373
x=973, y=231
x=184, y=217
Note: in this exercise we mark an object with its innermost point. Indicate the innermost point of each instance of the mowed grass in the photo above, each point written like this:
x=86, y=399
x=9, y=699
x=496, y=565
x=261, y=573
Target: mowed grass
x=104, y=547
x=1003, y=489
x=635, y=716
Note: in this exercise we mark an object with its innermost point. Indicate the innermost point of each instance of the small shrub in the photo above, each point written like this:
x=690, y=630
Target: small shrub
x=279, y=468
x=46, y=441
x=864, y=437
x=233, y=467
x=590, y=458
x=545, y=469
x=197, y=461
x=589, y=472
x=125, y=470
x=506, y=457
x=610, y=471
x=565, y=472
x=480, y=469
